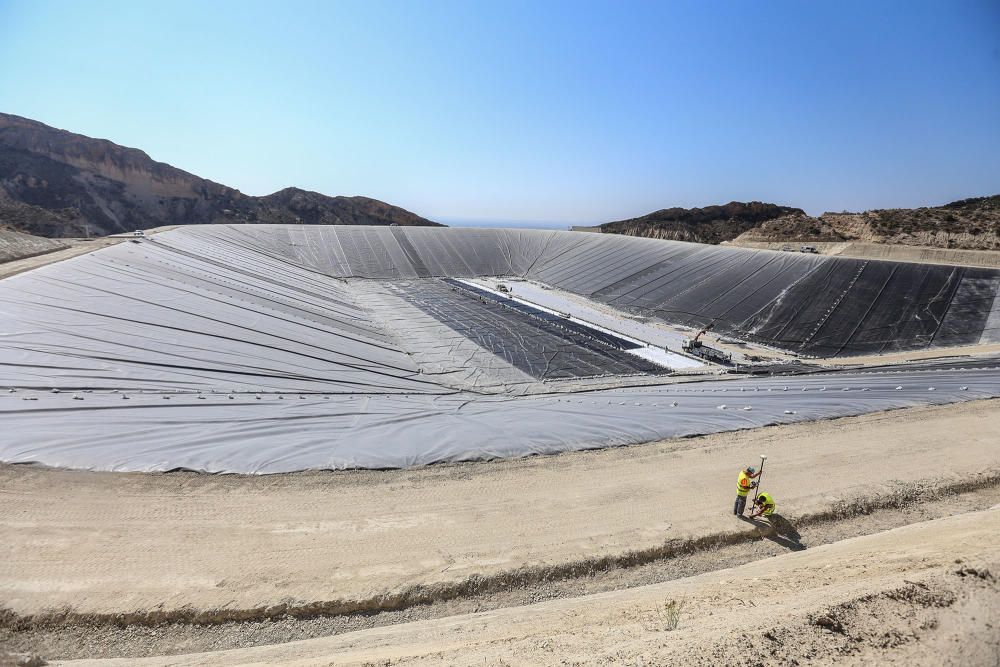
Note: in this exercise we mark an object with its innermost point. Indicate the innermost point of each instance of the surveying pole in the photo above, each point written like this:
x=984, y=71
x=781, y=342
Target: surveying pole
x=756, y=489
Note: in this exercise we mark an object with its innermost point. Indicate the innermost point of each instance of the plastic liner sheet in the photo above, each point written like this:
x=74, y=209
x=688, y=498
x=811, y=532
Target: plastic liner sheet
x=271, y=434
x=244, y=349
x=443, y=354
x=557, y=321
x=809, y=304
x=537, y=346
x=138, y=316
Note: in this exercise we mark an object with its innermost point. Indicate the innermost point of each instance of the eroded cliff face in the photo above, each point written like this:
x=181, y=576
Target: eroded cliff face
x=57, y=183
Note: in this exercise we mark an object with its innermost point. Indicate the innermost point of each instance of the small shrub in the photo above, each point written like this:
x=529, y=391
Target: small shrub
x=671, y=614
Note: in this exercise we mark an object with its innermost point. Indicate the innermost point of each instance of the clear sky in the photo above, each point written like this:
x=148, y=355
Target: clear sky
x=539, y=110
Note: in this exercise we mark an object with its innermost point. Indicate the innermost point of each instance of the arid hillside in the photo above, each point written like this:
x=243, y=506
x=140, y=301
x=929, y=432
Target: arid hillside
x=968, y=224
x=56, y=183
x=15, y=245
x=712, y=224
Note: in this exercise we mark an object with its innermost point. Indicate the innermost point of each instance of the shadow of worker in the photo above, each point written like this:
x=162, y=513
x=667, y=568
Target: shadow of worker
x=779, y=530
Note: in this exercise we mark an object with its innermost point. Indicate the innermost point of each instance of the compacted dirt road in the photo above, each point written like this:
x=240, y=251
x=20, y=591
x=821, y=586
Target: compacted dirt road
x=204, y=547
x=925, y=594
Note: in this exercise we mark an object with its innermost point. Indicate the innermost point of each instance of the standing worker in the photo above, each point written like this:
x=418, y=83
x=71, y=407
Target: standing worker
x=765, y=506
x=743, y=486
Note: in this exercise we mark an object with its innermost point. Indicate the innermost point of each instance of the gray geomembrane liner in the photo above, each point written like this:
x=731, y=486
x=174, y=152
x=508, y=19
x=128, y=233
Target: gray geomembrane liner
x=278, y=348
x=272, y=434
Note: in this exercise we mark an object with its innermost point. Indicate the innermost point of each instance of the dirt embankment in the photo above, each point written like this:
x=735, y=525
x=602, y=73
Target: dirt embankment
x=891, y=253
x=152, y=546
x=15, y=245
x=64, y=637
x=925, y=594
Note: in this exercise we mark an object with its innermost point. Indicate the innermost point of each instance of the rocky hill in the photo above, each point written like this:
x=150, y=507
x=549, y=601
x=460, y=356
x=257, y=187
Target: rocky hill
x=56, y=183
x=712, y=224
x=972, y=224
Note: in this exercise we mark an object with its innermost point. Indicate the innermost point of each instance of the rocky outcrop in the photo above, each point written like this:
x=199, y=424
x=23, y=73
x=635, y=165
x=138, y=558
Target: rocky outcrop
x=711, y=224
x=56, y=183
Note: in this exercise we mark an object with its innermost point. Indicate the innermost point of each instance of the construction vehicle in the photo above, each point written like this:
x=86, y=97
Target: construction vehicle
x=696, y=348
x=692, y=344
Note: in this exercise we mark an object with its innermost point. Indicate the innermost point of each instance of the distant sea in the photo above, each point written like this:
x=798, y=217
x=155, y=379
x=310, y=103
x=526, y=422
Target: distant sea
x=511, y=224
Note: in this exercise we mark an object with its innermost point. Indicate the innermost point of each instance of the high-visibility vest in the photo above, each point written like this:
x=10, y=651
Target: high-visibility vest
x=769, y=504
x=743, y=484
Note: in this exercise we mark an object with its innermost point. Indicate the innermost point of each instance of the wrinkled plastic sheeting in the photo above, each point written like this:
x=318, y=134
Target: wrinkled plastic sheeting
x=234, y=310
x=244, y=434
x=139, y=316
x=810, y=304
x=540, y=348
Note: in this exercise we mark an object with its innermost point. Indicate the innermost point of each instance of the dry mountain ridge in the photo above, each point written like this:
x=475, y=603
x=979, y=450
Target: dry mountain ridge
x=711, y=224
x=967, y=224
x=57, y=183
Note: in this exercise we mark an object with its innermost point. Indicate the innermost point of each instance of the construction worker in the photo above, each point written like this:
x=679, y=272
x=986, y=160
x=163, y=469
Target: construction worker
x=765, y=506
x=743, y=485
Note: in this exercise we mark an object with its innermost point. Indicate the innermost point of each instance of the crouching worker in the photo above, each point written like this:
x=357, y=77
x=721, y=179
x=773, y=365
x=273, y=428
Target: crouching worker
x=743, y=486
x=765, y=506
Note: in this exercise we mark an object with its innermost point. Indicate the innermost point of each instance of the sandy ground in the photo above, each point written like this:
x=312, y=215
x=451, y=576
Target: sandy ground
x=989, y=349
x=926, y=594
x=78, y=247
x=104, y=543
x=890, y=252
x=111, y=640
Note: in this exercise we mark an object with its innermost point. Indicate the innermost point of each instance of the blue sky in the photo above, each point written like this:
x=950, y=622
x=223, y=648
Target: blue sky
x=560, y=111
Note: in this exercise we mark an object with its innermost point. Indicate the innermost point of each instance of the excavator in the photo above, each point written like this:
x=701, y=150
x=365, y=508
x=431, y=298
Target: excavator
x=695, y=347
x=692, y=344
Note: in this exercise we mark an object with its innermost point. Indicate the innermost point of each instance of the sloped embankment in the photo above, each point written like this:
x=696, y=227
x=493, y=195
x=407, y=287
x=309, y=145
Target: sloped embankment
x=15, y=245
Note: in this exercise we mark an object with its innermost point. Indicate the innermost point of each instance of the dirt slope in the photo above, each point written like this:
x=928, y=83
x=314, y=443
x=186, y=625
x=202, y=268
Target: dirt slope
x=153, y=545
x=15, y=245
x=925, y=594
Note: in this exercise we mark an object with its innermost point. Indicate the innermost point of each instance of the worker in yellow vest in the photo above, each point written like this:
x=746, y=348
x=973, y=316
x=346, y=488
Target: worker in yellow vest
x=744, y=483
x=765, y=506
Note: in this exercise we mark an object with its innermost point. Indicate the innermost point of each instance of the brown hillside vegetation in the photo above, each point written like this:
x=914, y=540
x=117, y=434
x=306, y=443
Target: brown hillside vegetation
x=711, y=224
x=56, y=183
x=972, y=224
